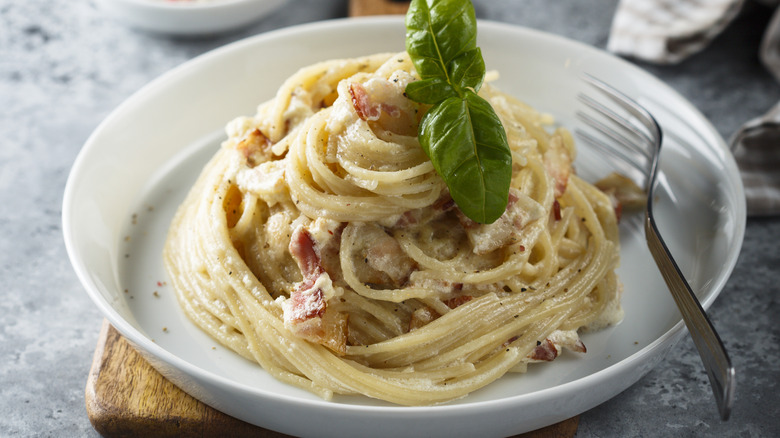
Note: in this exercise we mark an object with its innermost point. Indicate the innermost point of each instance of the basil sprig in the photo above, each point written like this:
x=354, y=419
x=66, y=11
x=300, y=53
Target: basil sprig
x=460, y=133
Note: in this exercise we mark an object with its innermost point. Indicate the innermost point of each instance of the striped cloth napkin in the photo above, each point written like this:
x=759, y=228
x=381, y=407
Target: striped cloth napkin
x=667, y=32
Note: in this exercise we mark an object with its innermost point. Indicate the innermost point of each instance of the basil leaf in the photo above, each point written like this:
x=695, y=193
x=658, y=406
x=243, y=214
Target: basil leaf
x=437, y=32
x=459, y=135
x=468, y=69
x=430, y=91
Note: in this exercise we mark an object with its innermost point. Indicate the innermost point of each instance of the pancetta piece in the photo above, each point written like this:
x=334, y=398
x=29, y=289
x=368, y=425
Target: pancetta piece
x=305, y=311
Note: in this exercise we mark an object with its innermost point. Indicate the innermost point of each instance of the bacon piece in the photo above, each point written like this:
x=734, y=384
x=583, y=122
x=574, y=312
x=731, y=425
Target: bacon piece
x=459, y=300
x=365, y=108
x=306, y=312
x=303, y=251
x=568, y=339
x=551, y=347
x=556, y=210
x=545, y=351
x=307, y=300
x=386, y=256
x=362, y=103
x=306, y=304
x=509, y=341
x=329, y=244
x=255, y=147
x=578, y=346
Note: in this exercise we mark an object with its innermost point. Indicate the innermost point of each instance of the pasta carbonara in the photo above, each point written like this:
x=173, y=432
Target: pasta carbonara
x=320, y=243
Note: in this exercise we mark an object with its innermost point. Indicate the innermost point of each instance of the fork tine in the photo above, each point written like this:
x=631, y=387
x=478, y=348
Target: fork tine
x=628, y=104
x=650, y=135
x=638, y=136
x=618, y=158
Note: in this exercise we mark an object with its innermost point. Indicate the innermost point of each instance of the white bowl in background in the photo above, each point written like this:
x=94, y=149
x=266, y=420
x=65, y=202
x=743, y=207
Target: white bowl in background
x=189, y=17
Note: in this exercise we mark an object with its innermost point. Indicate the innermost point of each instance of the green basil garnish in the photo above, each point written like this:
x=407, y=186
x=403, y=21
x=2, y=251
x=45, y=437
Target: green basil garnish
x=460, y=133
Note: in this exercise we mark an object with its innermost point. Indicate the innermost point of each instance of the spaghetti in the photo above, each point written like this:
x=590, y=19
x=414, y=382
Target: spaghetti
x=320, y=243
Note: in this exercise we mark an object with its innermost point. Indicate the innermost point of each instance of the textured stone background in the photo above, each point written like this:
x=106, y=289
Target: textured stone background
x=64, y=67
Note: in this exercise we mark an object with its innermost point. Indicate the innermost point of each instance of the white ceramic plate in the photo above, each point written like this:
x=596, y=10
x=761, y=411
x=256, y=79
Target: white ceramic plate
x=189, y=18
x=136, y=168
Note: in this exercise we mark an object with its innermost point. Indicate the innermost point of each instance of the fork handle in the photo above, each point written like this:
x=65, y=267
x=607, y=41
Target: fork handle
x=713, y=354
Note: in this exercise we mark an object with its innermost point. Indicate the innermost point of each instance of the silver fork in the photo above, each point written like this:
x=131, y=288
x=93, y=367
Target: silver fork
x=631, y=134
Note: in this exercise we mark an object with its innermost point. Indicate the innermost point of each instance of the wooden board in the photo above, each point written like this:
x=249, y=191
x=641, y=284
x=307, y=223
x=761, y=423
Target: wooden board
x=126, y=397
x=359, y=8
